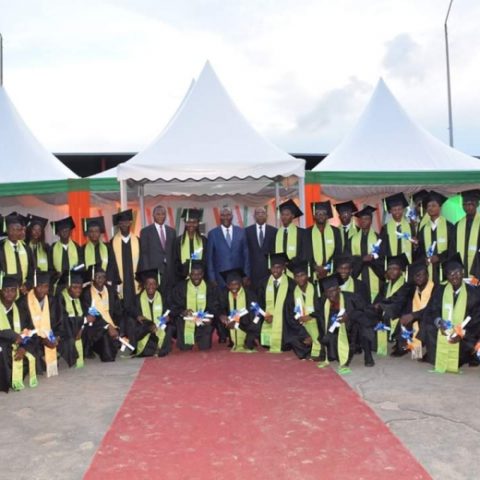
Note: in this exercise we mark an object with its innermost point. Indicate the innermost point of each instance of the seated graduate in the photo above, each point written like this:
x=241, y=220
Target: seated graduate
x=105, y=319
x=41, y=309
x=97, y=252
x=302, y=329
x=153, y=325
x=35, y=239
x=275, y=297
x=18, y=355
x=436, y=238
x=344, y=269
x=452, y=320
x=72, y=318
x=339, y=314
x=66, y=254
x=194, y=305
x=389, y=303
x=191, y=245
x=235, y=313
x=364, y=246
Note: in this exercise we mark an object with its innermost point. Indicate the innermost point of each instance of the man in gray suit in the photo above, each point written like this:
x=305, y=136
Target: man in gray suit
x=157, y=242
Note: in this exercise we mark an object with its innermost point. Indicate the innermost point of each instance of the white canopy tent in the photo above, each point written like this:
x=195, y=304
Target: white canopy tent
x=209, y=148
x=387, y=152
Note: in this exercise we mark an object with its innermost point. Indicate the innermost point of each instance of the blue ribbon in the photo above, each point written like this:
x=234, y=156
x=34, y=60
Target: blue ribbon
x=412, y=214
x=255, y=308
x=380, y=327
x=51, y=337
x=93, y=312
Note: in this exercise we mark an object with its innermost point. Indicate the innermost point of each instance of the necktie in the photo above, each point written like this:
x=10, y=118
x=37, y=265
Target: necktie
x=345, y=237
x=17, y=262
x=399, y=242
x=285, y=240
x=228, y=237
x=162, y=237
x=261, y=236
x=75, y=311
x=455, y=297
x=275, y=289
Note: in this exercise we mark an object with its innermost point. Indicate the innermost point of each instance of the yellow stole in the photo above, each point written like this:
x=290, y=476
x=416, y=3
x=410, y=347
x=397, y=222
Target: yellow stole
x=419, y=303
x=101, y=303
x=117, y=250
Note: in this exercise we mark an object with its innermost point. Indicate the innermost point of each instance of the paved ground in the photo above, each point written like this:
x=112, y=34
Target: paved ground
x=53, y=431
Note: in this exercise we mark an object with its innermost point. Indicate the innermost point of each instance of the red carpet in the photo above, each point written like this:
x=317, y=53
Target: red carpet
x=222, y=415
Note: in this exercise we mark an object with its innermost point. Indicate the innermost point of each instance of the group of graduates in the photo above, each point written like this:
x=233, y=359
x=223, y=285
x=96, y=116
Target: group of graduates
x=325, y=292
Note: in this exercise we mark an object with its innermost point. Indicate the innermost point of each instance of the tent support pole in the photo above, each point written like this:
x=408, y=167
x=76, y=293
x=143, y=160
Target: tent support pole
x=301, y=196
x=141, y=198
x=123, y=195
x=277, y=203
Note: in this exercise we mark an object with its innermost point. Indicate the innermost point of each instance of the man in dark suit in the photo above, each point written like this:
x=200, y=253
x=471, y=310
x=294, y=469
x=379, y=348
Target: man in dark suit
x=226, y=250
x=260, y=241
x=157, y=249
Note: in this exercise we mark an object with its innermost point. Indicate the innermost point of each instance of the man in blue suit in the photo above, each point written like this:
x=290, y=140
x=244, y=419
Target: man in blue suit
x=226, y=250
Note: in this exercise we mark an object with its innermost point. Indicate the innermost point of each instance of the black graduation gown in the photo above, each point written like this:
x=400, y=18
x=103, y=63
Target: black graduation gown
x=66, y=267
x=346, y=236
x=145, y=327
x=48, y=250
x=385, y=250
x=302, y=243
x=336, y=238
x=179, y=269
x=472, y=330
x=178, y=303
x=113, y=276
x=96, y=336
x=30, y=268
x=69, y=328
x=421, y=252
x=246, y=322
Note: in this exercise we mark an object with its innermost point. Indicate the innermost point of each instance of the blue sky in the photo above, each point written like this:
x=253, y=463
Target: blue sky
x=107, y=75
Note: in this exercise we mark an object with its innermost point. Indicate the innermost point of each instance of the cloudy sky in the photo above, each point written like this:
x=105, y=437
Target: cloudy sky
x=102, y=75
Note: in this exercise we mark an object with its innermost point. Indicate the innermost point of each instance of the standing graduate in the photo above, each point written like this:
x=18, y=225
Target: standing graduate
x=190, y=301
x=344, y=269
x=35, y=239
x=153, y=326
x=324, y=240
x=302, y=329
x=18, y=356
x=364, y=246
x=467, y=233
x=126, y=249
x=347, y=224
x=340, y=314
x=397, y=234
x=15, y=258
x=275, y=297
x=290, y=239
x=97, y=252
x=450, y=339
x=105, y=319
x=41, y=310
x=235, y=312
x=66, y=253
x=436, y=239
x=418, y=207
x=71, y=316
x=191, y=245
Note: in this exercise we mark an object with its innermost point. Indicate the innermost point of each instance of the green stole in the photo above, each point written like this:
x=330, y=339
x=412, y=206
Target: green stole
x=343, y=346
x=307, y=301
x=329, y=238
x=40, y=256
x=90, y=254
x=271, y=333
x=185, y=252
x=291, y=241
x=58, y=255
x=157, y=307
x=11, y=263
x=356, y=243
x=393, y=238
x=237, y=335
x=348, y=286
x=447, y=354
x=352, y=231
x=442, y=238
x=196, y=301
x=382, y=335
x=472, y=241
x=69, y=303
x=17, y=365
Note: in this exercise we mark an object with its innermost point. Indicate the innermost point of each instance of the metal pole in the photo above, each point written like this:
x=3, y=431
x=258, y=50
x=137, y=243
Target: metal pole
x=123, y=195
x=449, y=92
x=1, y=60
x=277, y=203
x=141, y=198
x=301, y=196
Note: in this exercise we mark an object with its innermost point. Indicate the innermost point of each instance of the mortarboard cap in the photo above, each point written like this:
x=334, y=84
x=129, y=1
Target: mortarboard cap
x=74, y=276
x=452, y=263
x=35, y=220
x=41, y=278
x=279, y=258
x=394, y=200
x=346, y=206
x=419, y=196
x=297, y=265
x=325, y=206
x=399, y=260
x=8, y=281
x=90, y=272
x=93, y=222
x=330, y=282
x=433, y=197
x=233, y=275
x=192, y=214
x=366, y=211
x=190, y=265
x=416, y=267
x=58, y=225
x=15, y=218
x=292, y=206
x=144, y=275
x=471, y=195
x=125, y=215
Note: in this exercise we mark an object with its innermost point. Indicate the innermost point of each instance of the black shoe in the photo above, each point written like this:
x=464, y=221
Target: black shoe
x=369, y=362
x=398, y=352
x=222, y=340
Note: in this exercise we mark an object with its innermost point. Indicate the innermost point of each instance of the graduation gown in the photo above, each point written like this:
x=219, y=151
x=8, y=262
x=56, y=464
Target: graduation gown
x=113, y=276
x=66, y=267
x=337, y=247
x=179, y=268
x=346, y=235
x=302, y=243
x=7, y=271
x=178, y=304
x=462, y=247
x=42, y=263
x=385, y=250
x=246, y=322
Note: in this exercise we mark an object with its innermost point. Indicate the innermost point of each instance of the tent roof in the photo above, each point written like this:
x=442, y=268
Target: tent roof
x=387, y=146
x=26, y=158
x=209, y=140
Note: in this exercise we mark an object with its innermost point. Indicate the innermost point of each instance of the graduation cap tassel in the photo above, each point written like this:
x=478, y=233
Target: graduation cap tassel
x=4, y=225
x=1, y=279
x=93, y=272
x=158, y=276
x=69, y=278
x=35, y=278
x=84, y=224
